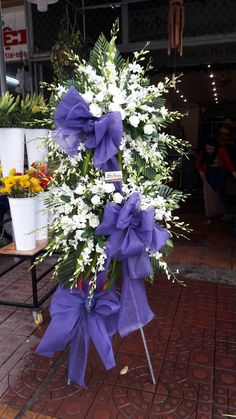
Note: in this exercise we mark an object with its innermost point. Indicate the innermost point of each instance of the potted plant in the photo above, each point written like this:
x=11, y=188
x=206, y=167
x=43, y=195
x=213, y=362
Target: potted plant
x=39, y=172
x=21, y=191
x=11, y=134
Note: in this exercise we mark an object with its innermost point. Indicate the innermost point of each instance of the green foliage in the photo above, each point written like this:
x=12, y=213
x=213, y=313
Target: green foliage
x=9, y=108
x=98, y=55
x=27, y=112
x=67, y=45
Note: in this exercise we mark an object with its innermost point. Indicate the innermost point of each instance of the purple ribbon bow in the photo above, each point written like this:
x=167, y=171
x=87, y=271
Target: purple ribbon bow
x=75, y=124
x=131, y=231
x=72, y=322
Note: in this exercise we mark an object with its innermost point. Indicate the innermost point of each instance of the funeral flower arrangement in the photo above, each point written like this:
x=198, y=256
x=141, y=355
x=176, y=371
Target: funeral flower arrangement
x=112, y=206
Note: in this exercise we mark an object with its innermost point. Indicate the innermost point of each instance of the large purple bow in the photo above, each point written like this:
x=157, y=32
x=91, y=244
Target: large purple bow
x=72, y=322
x=75, y=124
x=131, y=231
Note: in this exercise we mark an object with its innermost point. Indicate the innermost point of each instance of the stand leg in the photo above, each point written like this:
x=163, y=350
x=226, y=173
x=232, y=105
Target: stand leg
x=34, y=283
x=148, y=356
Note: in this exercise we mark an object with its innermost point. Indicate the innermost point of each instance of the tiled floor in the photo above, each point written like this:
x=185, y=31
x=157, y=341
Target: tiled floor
x=192, y=342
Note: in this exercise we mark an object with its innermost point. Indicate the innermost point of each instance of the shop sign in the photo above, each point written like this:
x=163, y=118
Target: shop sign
x=14, y=34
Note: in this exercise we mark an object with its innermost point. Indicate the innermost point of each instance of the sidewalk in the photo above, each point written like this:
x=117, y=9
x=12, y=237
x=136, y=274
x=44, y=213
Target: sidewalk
x=192, y=342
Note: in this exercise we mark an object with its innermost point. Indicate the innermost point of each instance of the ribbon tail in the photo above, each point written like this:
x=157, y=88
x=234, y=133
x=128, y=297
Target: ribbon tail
x=56, y=337
x=102, y=341
x=135, y=311
x=79, y=355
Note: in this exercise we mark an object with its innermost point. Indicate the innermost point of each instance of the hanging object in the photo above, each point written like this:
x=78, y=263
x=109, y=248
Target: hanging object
x=42, y=5
x=176, y=25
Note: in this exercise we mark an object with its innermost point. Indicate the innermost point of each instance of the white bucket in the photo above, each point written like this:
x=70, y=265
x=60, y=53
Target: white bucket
x=41, y=217
x=23, y=221
x=35, y=144
x=12, y=149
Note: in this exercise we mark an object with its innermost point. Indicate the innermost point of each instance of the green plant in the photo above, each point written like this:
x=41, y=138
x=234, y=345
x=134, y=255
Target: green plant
x=28, y=112
x=9, y=107
x=67, y=45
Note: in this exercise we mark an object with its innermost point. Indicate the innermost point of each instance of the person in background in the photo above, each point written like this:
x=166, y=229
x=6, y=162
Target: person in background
x=213, y=163
x=225, y=133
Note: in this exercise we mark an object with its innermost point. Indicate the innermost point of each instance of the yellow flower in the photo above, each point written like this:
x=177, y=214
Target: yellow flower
x=7, y=189
x=39, y=189
x=30, y=171
x=34, y=181
x=12, y=172
x=24, y=177
x=9, y=180
x=24, y=183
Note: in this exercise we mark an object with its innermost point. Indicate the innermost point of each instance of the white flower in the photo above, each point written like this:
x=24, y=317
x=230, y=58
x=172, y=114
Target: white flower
x=117, y=198
x=93, y=220
x=109, y=187
x=113, y=89
x=163, y=111
x=131, y=106
x=80, y=189
x=99, y=249
x=95, y=110
x=135, y=68
x=78, y=234
x=88, y=96
x=96, y=200
x=100, y=97
x=134, y=120
x=148, y=129
x=160, y=86
x=113, y=107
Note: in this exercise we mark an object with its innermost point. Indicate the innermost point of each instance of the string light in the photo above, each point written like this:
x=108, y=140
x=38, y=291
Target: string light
x=211, y=75
x=209, y=66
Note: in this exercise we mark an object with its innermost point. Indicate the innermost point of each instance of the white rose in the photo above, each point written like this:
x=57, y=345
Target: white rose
x=96, y=200
x=95, y=110
x=117, y=198
x=109, y=187
x=148, y=129
x=134, y=120
x=93, y=220
x=88, y=96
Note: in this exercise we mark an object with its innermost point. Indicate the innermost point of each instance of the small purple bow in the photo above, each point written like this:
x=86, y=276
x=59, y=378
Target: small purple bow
x=75, y=124
x=72, y=322
x=131, y=231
